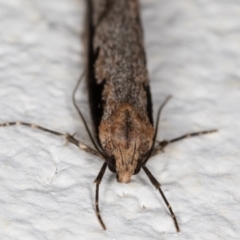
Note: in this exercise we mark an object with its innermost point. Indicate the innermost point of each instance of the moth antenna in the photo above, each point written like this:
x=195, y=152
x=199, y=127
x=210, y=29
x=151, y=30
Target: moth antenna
x=81, y=115
x=156, y=130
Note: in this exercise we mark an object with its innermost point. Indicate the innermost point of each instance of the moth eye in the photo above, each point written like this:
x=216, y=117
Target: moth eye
x=136, y=171
x=111, y=164
x=112, y=169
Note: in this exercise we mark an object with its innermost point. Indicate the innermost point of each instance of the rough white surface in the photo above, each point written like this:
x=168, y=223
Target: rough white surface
x=46, y=188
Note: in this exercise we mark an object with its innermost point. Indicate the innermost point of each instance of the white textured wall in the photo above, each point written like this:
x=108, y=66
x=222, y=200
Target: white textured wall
x=46, y=188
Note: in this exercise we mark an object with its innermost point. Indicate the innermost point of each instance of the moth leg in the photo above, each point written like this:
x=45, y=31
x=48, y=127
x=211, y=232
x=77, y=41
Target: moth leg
x=67, y=136
x=31, y=125
x=158, y=187
x=161, y=145
x=98, y=181
x=82, y=146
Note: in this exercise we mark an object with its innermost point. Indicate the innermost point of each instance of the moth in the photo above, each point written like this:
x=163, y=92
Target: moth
x=119, y=95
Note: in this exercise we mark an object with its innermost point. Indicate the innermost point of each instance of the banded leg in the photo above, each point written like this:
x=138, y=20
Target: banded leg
x=158, y=187
x=161, y=145
x=67, y=136
x=31, y=125
x=98, y=181
x=82, y=146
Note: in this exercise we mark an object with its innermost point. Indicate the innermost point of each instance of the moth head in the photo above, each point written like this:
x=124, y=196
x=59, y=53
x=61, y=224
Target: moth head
x=126, y=137
x=126, y=161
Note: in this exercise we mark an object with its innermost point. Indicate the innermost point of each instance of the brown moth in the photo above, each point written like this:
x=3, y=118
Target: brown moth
x=118, y=85
x=119, y=95
x=119, y=92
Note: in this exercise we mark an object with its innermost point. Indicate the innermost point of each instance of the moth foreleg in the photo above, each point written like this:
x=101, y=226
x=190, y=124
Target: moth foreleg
x=81, y=145
x=162, y=144
x=67, y=136
x=31, y=125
